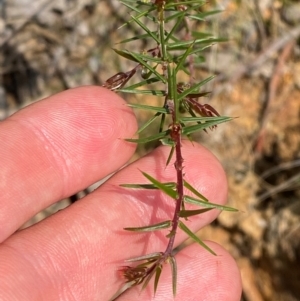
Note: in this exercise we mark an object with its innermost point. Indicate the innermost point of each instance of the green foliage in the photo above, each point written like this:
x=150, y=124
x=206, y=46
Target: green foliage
x=181, y=115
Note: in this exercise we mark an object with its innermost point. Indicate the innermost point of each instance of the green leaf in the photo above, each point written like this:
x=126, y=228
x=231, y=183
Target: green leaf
x=148, y=186
x=144, y=82
x=187, y=130
x=194, y=201
x=141, y=13
x=157, y=276
x=154, y=227
x=183, y=58
x=149, y=32
x=181, y=45
x=201, y=35
x=170, y=155
x=188, y=186
x=140, y=59
x=201, y=16
x=122, y=290
x=178, y=21
x=202, y=119
x=194, y=88
x=162, y=123
x=150, y=138
x=148, y=257
x=148, y=279
x=125, y=54
x=143, y=92
x=188, y=213
x=148, y=123
x=167, y=141
x=194, y=237
x=136, y=57
x=165, y=188
x=135, y=38
x=188, y=2
x=173, y=264
x=148, y=108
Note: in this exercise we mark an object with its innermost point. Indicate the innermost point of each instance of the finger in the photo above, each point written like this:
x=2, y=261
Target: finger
x=59, y=146
x=78, y=251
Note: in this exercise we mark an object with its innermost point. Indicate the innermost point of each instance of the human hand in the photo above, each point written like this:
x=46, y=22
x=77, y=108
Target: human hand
x=60, y=145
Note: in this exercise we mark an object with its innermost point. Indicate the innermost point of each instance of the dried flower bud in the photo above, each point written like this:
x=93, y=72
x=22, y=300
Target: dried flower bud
x=118, y=80
x=136, y=274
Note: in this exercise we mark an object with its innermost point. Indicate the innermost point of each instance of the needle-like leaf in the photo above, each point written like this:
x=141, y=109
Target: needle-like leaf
x=150, y=138
x=148, y=108
x=188, y=213
x=194, y=190
x=194, y=237
x=147, y=186
x=154, y=227
x=150, y=256
x=173, y=264
x=165, y=188
x=191, y=200
x=157, y=276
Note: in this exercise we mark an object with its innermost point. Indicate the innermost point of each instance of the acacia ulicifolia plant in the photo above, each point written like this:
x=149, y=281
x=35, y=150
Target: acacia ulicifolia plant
x=180, y=116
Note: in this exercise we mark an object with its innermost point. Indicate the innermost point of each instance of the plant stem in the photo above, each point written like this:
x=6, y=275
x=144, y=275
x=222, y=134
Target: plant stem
x=176, y=136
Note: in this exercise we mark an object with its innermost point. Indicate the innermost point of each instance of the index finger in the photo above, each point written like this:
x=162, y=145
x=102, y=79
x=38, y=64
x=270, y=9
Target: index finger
x=57, y=147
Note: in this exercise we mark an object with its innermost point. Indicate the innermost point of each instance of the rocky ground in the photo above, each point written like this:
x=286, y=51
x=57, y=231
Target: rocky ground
x=48, y=46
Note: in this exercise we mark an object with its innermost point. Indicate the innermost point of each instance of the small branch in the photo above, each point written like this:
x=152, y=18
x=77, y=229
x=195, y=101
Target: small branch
x=176, y=137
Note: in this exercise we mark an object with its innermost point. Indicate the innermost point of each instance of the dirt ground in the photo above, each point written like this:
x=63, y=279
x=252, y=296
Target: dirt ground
x=49, y=46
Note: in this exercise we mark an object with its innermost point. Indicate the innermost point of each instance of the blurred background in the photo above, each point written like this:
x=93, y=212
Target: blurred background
x=48, y=46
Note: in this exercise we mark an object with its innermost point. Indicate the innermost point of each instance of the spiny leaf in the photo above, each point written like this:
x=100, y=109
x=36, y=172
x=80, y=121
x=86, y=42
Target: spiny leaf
x=170, y=155
x=173, y=264
x=154, y=227
x=147, y=186
x=167, y=141
x=194, y=237
x=148, y=123
x=135, y=38
x=178, y=21
x=181, y=45
x=148, y=279
x=202, y=119
x=150, y=138
x=194, y=201
x=148, y=67
x=201, y=35
x=187, y=130
x=143, y=83
x=136, y=57
x=148, y=108
x=188, y=213
x=122, y=290
x=166, y=189
x=194, y=190
x=201, y=16
x=183, y=57
x=125, y=54
x=142, y=92
x=150, y=33
x=189, y=2
x=141, y=13
x=194, y=88
x=157, y=276
x=155, y=255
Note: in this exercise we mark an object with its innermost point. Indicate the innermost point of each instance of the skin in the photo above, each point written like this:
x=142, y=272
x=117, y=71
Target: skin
x=59, y=146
